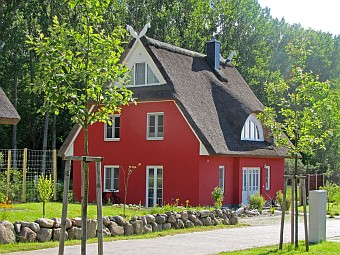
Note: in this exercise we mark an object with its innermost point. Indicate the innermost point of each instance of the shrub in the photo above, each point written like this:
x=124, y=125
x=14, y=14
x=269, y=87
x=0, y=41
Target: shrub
x=279, y=196
x=15, y=184
x=45, y=188
x=333, y=192
x=257, y=201
x=217, y=195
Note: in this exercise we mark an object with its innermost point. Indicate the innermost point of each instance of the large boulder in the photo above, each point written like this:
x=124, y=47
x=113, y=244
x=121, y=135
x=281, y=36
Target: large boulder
x=76, y=222
x=166, y=225
x=204, y=213
x=156, y=227
x=233, y=220
x=6, y=232
x=185, y=216
x=120, y=220
x=197, y=222
x=74, y=233
x=150, y=218
x=206, y=221
x=192, y=217
x=128, y=229
x=56, y=234
x=160, y=219
x=17, y=227
x=106, y=231
x=68, y=223
x=117, y=231
x=106, y=221
x=91, y=228
x=172, y=218
x=44, y=235
x=147, y=228
x=45, y=223
x=32, y=225
x=138, y=227
x=27, y=235
x=57, y=222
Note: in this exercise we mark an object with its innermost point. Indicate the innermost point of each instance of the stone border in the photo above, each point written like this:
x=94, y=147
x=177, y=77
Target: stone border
x=45, y=230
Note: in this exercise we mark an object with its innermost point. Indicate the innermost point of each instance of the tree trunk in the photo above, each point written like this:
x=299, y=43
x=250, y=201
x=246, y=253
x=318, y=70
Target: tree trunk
x=46, y=118
x=54, y=132
x=84, y=198
x=44, y=209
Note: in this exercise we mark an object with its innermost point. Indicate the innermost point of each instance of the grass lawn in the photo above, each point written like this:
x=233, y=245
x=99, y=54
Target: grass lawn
x=33, y=211
x=334, y=209
x=323, y=248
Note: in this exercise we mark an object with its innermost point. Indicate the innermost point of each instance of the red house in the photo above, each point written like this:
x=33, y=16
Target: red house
x=194, y=128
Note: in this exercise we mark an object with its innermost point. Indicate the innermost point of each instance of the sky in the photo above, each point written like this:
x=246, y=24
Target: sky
x=321, y=15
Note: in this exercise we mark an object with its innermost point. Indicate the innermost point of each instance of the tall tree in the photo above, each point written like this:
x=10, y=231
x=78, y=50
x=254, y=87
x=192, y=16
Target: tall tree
x=295, y=110
x=79, y=70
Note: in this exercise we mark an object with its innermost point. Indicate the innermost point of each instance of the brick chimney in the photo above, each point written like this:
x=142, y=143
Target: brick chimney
x=213, y=53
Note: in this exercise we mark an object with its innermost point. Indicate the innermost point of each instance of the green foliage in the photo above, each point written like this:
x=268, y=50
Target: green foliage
x=81, y=65
x=279, y=196
x=333, y=193
x=217, y=196
x=15, y=184
x=257, y=201
x=45, y=188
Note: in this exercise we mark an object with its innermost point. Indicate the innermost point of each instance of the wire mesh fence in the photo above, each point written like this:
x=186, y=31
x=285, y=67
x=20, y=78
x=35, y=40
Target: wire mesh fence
x=20, y=170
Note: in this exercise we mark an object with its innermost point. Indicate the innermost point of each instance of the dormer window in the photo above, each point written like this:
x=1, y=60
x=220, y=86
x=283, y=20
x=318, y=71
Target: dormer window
x=141, y=74
x=252, y=129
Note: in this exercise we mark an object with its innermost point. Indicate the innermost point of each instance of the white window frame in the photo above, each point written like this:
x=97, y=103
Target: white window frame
x=145, y=75
x=113, y=167
x=221, y=176
x=155, y=184
x=113, y=138
x=157, y=137
x=252, y=129
x=268, y=176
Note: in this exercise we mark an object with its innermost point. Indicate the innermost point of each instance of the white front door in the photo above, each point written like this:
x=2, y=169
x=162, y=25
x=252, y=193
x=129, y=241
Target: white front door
x=250, y=182
x=154, y=186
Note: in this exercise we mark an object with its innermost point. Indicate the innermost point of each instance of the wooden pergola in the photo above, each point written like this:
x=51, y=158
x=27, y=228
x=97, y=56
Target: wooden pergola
x=8, y=113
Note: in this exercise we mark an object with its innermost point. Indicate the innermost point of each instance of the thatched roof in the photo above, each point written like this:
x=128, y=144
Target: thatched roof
x=8, y=114
x=216, y=103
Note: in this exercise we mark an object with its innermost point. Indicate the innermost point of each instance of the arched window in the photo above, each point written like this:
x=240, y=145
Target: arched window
x=252, y=129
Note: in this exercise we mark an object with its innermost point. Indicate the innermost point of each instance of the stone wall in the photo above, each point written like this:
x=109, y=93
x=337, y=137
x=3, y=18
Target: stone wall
x=44, y=230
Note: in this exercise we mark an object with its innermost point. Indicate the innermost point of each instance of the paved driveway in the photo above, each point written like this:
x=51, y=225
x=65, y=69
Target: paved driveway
x=208, y=242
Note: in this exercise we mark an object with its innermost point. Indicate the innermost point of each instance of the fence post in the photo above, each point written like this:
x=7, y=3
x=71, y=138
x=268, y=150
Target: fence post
x=8, y=171
x=24, y=170
x=54, y=160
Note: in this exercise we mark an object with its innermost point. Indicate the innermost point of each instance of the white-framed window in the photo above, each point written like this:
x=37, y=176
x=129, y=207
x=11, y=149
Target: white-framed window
x=111, y=178
x=252, y=129
x=221, y=177
x=155, y=126
x=141, y=74
x=112, y=130
x=267, y=169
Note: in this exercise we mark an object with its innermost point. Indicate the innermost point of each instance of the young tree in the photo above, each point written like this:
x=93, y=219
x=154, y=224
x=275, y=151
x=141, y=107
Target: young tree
x=296, y=109
x=79, y=70
x=45, y=188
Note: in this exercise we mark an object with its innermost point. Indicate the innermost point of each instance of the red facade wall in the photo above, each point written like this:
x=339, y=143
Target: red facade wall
x=178, y=153
x=186, y=174
x=276, y=179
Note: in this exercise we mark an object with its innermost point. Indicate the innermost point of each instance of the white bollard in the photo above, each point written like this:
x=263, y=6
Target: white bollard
x=317, y=215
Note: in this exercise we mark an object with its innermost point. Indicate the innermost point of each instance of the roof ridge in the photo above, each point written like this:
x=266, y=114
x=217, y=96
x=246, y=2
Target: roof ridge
x=174, y=48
